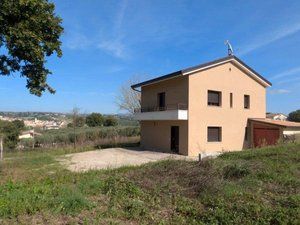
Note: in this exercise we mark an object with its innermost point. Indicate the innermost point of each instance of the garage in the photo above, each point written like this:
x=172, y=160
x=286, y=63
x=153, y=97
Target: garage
x=263, y=136
x=269, y=132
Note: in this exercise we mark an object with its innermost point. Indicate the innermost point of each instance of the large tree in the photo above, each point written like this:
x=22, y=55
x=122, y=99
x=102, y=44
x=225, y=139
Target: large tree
x=127, y=98
x=294, y=116
x=29, y=33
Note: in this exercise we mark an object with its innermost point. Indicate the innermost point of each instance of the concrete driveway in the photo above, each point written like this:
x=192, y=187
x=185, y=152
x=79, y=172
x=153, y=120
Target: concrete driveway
x=113, y=158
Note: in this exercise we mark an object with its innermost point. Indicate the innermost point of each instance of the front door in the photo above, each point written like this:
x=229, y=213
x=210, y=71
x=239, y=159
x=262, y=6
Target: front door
x=175, y=139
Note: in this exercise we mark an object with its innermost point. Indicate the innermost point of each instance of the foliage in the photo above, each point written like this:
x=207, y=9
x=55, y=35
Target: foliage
x=29, y=32
x=79, y=121
x=86, y=136
x=11, y=132
x=94, y=120
x=34, y=188
x=19, y=124
x=110, y=121
x=294, y=116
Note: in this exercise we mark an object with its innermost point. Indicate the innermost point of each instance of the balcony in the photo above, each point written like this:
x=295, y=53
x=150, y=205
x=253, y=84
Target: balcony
x=169, y=112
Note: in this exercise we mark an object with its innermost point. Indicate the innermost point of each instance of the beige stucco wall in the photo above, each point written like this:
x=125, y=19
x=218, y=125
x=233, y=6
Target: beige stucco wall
x=226, y=78
x=156, y=135
x=176, y=92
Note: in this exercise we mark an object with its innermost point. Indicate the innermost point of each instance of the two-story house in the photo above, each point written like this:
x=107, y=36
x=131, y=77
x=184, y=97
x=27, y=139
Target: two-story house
x=202, y=109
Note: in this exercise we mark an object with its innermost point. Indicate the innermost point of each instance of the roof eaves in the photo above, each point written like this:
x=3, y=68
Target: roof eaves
x=252, y=70
x=165, y=77
x=203, y=65
x=199, y=67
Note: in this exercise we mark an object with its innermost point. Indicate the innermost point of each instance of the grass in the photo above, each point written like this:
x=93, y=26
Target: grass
x=259, y=186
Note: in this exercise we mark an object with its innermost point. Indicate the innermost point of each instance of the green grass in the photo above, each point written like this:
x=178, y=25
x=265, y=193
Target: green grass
x=259, y=186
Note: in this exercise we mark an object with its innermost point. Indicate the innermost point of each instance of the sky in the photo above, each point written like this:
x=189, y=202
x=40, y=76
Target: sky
x=105, y=43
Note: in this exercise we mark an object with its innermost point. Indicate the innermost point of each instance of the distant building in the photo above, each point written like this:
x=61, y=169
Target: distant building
x=29, y=134
x=276, y=116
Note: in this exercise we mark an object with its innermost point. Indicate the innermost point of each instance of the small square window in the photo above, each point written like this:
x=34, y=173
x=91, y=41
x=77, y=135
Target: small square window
x=246, y=101
x=214, y=98
x=214, y=134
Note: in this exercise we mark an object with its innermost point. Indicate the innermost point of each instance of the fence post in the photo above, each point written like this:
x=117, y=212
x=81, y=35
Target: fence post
x=1, y=148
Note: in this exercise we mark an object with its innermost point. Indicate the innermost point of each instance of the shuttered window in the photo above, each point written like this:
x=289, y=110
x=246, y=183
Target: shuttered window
x=246, y=101
x=214, y=98
x=214, y=134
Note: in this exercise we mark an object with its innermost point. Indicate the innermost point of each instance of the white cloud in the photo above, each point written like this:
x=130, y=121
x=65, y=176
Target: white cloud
x=77, y=40
x=292, y=80
x=287, y=73
x=269, y=37
x=113, y=47
x=279, y=91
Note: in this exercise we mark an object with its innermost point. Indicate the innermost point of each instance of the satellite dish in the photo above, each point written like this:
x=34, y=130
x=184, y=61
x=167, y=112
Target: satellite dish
x=229, y=47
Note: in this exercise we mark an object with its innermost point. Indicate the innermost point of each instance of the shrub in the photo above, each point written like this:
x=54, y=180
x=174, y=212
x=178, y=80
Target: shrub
x=94, y=120
x=235, y=171
x=110, y=121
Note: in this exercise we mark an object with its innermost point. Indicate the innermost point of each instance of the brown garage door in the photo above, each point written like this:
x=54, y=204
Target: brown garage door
x=265, y=136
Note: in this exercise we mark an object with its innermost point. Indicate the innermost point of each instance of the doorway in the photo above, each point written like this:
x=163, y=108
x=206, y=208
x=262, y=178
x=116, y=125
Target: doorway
x=161, y=101
x=175, y=139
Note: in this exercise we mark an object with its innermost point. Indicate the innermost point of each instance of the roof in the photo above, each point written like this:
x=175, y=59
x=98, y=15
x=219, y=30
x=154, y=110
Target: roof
x=276, y=122
x=199, y=67
x=272, y=115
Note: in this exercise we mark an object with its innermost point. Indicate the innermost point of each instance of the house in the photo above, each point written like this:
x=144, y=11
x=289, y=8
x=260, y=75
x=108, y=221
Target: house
x=204, y=109
x=29, y=134
x=276, y=116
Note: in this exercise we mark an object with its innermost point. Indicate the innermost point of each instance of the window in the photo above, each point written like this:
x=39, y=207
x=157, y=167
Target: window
x=246, y=134
x=161, y=101
x=214, y=134
x=214, y=98
x=246, y=101
x=231, y=100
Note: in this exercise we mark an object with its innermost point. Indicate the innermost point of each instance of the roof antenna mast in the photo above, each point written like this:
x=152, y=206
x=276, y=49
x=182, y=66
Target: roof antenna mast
x=229, y=47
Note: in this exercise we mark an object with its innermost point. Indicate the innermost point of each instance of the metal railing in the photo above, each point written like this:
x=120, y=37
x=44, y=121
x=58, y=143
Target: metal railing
x=178, y=106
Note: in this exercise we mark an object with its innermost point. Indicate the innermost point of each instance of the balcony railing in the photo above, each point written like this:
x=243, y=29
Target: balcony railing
x=178, y=106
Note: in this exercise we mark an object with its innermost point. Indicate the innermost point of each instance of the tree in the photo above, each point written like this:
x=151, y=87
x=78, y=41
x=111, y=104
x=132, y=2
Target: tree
x=9, y=134
x=294, y=116
x=110, y=121
x=94, y=120
x=77, y=121
x=29, y=33
x=128, y=99
x=19, y=124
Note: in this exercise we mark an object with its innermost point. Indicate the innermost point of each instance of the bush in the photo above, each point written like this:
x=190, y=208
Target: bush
x=94, y=120
x=96, y=136
x=110, y=121
x=235, y=171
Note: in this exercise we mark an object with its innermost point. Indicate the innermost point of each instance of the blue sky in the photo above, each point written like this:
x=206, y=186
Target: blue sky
x=107, y=42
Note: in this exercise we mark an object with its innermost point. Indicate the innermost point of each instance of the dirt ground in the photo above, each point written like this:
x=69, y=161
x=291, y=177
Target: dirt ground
x=114, y=158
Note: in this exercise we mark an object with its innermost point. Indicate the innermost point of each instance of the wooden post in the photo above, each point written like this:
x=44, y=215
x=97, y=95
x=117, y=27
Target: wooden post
x=33, y=139
x=1, y=148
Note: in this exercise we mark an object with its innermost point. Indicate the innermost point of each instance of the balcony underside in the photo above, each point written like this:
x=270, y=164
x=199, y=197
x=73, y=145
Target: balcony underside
x=162, y=115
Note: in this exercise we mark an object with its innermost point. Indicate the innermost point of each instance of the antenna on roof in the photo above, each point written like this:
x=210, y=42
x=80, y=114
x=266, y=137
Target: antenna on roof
x=229, y=47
